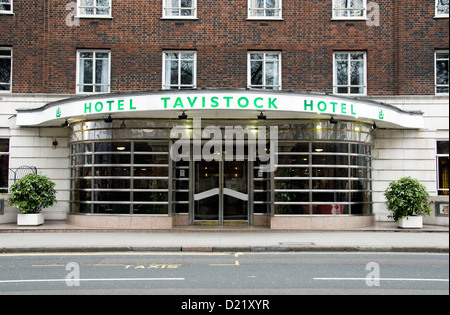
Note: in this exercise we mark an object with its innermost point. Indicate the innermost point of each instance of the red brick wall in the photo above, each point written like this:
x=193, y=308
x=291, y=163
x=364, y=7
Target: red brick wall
x=400, y=55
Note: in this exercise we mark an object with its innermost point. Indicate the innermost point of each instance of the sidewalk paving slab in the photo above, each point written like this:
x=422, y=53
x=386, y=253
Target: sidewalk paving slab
x=59, y=237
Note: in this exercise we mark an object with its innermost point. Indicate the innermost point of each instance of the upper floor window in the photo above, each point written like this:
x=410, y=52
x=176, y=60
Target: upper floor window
x=264, y=70
x=179, y=9
x=93, y=71
x=442, y=77
x=349, y=9
x=5, y=69
x=6, y=6
x=94, y=8
x=179, y=70
x=264, y=9
x=350, y=73
x=442, y=8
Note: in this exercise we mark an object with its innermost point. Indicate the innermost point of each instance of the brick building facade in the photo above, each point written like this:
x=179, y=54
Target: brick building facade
x=394, y=53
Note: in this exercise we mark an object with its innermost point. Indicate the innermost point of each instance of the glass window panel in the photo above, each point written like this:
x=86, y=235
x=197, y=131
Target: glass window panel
x=444, y=181
x=330, y=197
x=186, y=3
x=151, y=172
x=342, y=72
x=150, y=209
x=101, y=72
x=288, y=184
x=443, y=7
x=112, y=159
x=256, y=56
x=113, y=147
x=5, y=53
x=82, y=171
x=443, y=147
x=5, y=5
x=330, y=147
x=112, y=171
x=151, y=184
x=187, y=75
x=331, y=184
x=5, y=71
x=291, y=196
x=357, y=73
x=358, y=172
x=151, y=159
x=187, y=56
x=329, y=160
x=101, y=55
x=171, y=56
x=298, y=147
x=442, y=73
x=329, y=172
x=293, y=159
x=86, y=55
x=151, y=196
x=291, y=172
x=256, y=72
x=87, y=72
x=272, y=71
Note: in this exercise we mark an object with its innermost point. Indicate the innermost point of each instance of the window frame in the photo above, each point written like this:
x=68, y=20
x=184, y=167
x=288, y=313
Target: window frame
x=165, y=9
x=78, y=84
x=179, y=86
x=335, y=9
x=436, y=85
x=445, y=191
x=349, y=86
x=10, y=57
x=264, y=86
x=95, y=15
x=10, y=11
x=265, y=9
x=437, y=14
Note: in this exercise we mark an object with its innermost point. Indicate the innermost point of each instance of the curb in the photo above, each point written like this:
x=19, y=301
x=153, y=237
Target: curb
x=210, y=249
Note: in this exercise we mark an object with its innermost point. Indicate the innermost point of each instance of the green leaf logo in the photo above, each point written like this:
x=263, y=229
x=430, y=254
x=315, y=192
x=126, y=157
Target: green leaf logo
x=381, y=114
x=58, y=112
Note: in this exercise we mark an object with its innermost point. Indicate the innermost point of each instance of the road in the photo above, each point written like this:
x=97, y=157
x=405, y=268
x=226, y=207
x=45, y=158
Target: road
x=224, y=273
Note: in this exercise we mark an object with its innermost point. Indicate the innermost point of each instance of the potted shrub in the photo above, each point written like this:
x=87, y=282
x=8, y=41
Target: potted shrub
x=30, y=195
x=407, y=199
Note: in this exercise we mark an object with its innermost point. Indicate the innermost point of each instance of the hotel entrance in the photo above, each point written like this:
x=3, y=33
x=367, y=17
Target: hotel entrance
x=221, y=193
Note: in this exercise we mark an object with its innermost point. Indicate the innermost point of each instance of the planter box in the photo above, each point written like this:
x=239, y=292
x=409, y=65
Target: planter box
x=414, y=222
x=30, y=219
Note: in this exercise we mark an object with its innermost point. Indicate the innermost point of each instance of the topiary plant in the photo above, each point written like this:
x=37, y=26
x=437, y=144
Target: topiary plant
x=32, y=193
x=407, y=197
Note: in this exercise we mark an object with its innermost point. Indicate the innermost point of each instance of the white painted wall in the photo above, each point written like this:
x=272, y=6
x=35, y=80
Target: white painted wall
x=400, y=153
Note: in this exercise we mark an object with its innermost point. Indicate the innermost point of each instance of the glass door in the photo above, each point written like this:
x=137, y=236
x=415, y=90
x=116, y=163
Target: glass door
x=208, y=180
x=221, y=194
x=235, y=192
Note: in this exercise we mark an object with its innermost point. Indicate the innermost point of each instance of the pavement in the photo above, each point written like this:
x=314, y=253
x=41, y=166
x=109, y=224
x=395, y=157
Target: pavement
x=60, y=237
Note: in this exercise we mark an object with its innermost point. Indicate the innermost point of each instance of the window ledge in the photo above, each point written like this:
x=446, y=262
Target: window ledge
x=349, y=19
x=7, y=13
x=188, y=18
x=264, y=19
x=94, y=17
x=441, y=17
